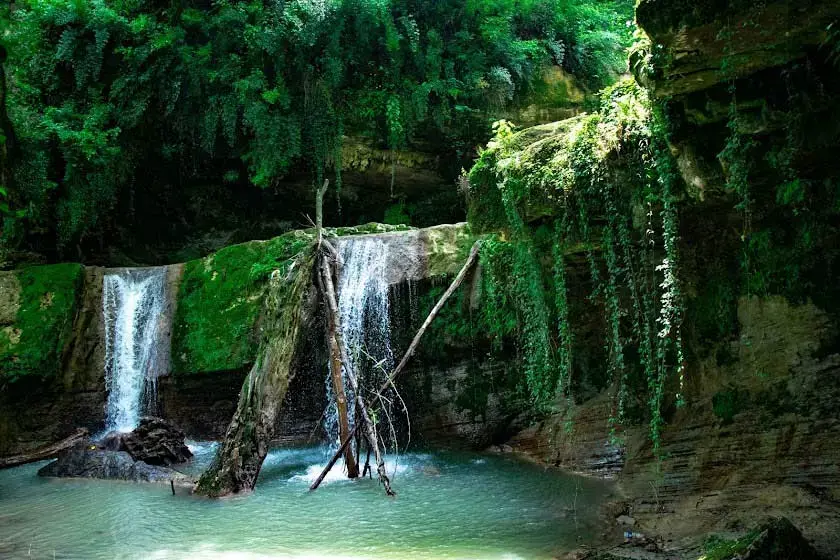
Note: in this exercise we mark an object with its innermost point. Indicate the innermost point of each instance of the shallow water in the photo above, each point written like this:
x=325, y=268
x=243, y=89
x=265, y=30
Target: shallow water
x=449, y=505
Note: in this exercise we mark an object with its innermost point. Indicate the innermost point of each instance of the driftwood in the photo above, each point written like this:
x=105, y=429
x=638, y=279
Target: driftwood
x=335, y=345
x=471, y=260
x=49, y=451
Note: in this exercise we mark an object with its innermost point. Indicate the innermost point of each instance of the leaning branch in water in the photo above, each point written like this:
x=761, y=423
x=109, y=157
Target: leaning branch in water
x=239, y=459
x=337, y=346
x=471, y=260
x=325, y=282
x=49, y=451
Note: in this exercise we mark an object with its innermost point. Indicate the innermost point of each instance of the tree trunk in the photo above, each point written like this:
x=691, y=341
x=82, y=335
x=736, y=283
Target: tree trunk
x=333, y=339
x=239, y=459
x=46, y=452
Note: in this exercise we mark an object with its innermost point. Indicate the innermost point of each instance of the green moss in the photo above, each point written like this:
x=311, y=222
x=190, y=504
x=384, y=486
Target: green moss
x=397, y=214
x=219, y=303
x=33, y=344
x=717, y=548
x=447, y=248
x=713, y=311
x=729, y=402
x=371, y=227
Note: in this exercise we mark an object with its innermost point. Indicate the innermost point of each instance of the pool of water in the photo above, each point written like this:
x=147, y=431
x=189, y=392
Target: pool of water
x=449, y=505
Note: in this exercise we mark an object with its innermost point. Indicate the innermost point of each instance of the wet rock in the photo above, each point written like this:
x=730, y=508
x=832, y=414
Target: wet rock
x=155, y=442
x=779, y=539
x=113, y=441
x=503, y=448
x=86, y=460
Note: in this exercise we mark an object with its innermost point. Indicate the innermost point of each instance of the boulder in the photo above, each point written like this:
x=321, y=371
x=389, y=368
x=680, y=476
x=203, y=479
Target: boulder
x=155, y=442
x=779, y=539
x=86, y=460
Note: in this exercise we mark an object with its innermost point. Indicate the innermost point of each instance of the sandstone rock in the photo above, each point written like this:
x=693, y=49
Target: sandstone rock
x=697, y=39
x=88, y=461
x=155, y=442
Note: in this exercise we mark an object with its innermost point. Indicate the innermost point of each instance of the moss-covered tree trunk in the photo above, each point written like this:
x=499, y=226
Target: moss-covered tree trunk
x=287, y=305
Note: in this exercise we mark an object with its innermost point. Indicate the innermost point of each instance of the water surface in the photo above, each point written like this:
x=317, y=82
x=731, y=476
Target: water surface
x=449, y=505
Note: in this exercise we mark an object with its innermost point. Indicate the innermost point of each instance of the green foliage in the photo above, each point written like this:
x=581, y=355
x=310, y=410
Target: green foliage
x=397, y=214
x=788, y=219
x=717, y=548
x=729, y=402
x=586, y=175
x=219, y=301
x=33, y=344
x=103, y=91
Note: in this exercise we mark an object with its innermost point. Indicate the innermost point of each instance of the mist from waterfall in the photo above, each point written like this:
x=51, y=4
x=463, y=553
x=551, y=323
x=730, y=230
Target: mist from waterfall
x=364, y=312
x=134, y=305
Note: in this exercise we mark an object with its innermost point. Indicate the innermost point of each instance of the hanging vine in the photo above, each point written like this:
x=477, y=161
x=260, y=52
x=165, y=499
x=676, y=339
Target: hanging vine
x=578, y=173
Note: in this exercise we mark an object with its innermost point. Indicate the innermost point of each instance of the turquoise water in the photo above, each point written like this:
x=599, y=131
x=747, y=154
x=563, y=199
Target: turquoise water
x=449, y=505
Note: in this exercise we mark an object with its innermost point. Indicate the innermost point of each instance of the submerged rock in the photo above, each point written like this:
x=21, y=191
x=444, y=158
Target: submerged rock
x=89, y=461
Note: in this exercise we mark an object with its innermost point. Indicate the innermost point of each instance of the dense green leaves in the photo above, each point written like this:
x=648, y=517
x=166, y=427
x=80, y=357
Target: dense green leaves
x=101, y=91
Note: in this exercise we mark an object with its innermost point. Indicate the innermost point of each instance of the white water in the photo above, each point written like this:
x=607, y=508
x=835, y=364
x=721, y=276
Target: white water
x=364, y=313
x=136, y=343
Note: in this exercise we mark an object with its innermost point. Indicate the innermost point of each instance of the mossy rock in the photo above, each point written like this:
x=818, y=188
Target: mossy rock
x=219, y=303
x=220, y=299
x=447, y=248
x=371, y=227
x=37, y=309
x=728, y=403
x=774, y=539
x=539, y=169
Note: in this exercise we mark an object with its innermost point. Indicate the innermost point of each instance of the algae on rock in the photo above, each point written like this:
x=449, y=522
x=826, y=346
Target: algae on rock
x=36, y=318
x=287, y=306
x=219, y=302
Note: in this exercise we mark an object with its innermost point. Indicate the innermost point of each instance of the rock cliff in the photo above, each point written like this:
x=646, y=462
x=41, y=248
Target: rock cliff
x=750, y=98
x=55, y=382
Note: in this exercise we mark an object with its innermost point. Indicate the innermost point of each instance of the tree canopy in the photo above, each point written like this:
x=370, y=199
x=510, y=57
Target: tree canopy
x=105, y=97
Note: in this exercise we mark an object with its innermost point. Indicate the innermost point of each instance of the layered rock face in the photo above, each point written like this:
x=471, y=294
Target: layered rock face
x=752, y=99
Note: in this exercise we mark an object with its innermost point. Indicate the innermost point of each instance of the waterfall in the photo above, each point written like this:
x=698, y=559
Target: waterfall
x=364, y=313
x=134, y=305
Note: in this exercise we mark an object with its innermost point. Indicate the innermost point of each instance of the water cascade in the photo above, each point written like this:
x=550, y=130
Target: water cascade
x=364, y=312
x=134, y=304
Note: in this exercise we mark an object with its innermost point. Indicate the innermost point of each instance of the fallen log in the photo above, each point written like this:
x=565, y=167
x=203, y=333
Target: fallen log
x=471, y=260
x=49, y=451
x=239, y=459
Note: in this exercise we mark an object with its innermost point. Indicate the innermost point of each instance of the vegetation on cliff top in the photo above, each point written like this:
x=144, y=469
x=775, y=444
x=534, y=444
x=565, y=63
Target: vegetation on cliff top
x=240, y=91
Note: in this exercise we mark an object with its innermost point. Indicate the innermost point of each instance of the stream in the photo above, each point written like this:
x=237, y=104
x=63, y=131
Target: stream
x=449, y=505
